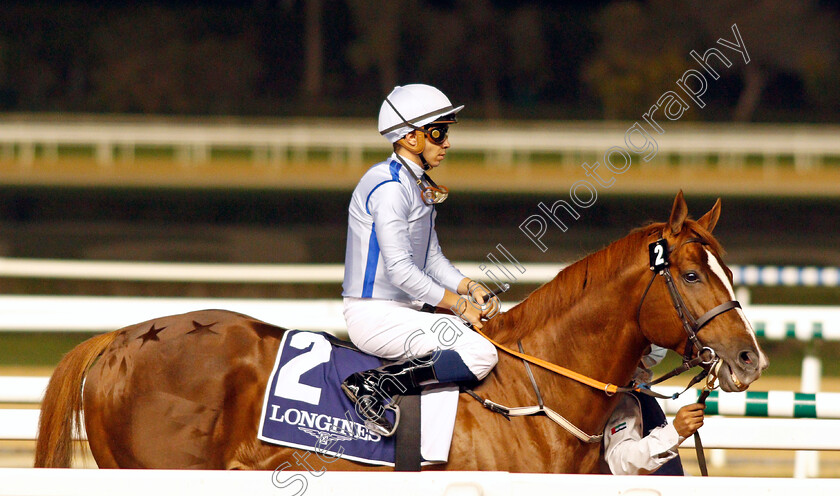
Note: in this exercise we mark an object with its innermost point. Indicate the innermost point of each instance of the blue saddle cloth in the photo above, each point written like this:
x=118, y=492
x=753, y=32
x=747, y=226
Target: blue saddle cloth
x=304, y=405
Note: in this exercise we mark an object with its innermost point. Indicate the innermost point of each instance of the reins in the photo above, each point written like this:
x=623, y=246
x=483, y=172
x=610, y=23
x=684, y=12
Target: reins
x=609, y=389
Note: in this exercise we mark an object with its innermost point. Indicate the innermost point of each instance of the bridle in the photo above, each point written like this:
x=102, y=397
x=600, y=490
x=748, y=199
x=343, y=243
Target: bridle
x=706, y=356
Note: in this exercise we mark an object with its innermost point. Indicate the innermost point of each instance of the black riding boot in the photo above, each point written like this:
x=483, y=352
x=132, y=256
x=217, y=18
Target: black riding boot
x=372, y=391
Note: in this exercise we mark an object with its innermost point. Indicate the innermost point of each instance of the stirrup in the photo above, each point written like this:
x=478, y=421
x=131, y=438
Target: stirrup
x=380, y=428
x=383, y=427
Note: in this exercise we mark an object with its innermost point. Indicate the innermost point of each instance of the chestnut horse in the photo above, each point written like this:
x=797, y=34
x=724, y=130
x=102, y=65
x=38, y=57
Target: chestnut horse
x=186, y=391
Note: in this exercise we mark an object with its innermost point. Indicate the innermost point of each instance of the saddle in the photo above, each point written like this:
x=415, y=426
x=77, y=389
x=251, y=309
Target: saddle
x=304, y=407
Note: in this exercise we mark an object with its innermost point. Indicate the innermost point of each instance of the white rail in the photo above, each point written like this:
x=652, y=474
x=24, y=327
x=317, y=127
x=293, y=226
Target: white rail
x=747, y=275
x=718, y=432
x=195, y=141
x=209, y=272
x=107, y=313
x=14, y=389
x=91, y=482
x=780, y=404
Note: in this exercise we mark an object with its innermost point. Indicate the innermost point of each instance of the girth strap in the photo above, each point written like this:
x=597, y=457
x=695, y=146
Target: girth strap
x=523, y=411
x=407, y=457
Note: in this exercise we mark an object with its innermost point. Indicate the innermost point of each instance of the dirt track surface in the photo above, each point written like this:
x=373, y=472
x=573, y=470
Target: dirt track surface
x=464, y=175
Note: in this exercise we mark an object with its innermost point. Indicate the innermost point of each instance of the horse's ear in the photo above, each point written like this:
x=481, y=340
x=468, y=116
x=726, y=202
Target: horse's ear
x=678, y=214
x=709, y=221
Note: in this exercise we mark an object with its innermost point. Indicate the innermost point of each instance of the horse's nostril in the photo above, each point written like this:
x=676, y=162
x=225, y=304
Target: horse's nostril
x=746, y=358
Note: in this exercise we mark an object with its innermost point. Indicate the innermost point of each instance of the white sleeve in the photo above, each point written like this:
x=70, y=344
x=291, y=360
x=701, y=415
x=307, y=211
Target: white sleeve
x=626, y=451
x=390, y=211
x=439, y=267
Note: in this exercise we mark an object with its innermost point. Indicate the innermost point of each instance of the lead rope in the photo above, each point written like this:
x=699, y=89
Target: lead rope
x=707, y=389
x=698, y=444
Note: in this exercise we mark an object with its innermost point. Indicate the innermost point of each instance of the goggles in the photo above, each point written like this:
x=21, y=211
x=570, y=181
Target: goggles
x=432, y=193
x=437, y=133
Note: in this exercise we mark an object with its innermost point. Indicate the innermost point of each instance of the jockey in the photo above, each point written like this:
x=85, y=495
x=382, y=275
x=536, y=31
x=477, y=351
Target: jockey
x=394, y=266
x=638, y=440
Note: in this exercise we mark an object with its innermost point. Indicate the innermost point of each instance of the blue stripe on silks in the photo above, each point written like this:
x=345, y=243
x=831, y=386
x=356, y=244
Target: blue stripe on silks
x=449, y=367
x=373, y=244
x=370, y=267
x=395, y=170
x=395, y=177
x=367, y=200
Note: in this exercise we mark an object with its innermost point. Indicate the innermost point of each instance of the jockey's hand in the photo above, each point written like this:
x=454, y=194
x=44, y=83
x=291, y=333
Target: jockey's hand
x=689, y=418
x=478, y=292
x=469, y=312
x=462, y=306
x=488, y=305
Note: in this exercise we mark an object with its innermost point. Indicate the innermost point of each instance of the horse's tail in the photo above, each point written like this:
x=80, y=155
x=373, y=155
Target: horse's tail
x=62, y=404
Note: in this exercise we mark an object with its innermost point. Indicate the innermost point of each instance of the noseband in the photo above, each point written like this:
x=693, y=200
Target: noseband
x=659, y=256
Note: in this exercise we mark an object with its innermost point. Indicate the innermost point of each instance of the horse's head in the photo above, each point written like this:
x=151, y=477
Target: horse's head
x=701, y=284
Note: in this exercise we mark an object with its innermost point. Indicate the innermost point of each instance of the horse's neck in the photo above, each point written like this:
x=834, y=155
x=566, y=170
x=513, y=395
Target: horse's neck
x=590, y=335
x=583, y=320
x=589, y=303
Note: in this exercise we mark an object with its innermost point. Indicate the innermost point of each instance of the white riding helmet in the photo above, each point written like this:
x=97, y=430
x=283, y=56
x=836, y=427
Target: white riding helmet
x=413, y=106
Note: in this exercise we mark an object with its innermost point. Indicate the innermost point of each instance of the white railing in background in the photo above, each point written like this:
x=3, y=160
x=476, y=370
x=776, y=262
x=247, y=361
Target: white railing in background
x=62, y=482
x=719, y=432
x=107, y=313
x=348, y=139
x=743, y=275
x=213, y=272
x=780, y=404
x=20, y=424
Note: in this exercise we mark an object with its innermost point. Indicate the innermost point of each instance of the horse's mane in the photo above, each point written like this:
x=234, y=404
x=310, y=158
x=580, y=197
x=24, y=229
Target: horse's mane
x=570, y=285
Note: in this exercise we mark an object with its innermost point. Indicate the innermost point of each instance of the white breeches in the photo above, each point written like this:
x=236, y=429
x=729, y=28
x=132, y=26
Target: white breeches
x=394, y=330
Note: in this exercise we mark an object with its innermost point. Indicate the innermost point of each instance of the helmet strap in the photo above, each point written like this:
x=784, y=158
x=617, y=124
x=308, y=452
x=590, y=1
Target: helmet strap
x=418, y=133
x=417, y=148
x=423, y=162
x=430, y=191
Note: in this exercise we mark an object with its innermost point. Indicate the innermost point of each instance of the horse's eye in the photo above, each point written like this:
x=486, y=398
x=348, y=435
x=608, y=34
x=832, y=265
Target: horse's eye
x=691, y=277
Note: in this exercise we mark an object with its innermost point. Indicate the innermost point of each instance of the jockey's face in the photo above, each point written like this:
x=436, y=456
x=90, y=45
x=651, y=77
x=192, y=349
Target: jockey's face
x=434, y=154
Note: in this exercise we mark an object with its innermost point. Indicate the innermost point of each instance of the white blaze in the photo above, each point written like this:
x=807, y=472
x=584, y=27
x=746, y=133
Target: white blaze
x=717, y=270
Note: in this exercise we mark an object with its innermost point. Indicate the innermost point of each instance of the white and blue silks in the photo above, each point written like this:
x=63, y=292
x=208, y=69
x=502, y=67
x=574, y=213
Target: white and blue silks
x=394, y=264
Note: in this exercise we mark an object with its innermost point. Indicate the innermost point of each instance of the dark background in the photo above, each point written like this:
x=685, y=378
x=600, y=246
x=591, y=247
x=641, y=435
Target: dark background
x=218, y=225
x=504, y=59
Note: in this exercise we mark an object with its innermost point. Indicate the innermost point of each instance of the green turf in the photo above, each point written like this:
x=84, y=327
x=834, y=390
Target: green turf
x=36, y=349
